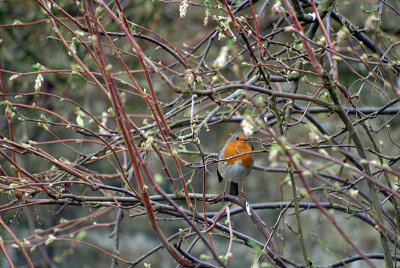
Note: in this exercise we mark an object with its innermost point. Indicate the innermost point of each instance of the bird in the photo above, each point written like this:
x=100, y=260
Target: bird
x=235, y=169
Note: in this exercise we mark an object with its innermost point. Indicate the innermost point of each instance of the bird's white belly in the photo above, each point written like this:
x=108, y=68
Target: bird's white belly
x=236, y=172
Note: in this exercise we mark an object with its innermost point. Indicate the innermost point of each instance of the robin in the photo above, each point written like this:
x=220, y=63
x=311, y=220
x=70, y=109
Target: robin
x=235, y=169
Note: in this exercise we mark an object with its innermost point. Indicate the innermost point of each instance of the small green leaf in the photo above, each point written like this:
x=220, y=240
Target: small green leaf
x=207, y=4
x=35, y=68
x=79, y=121
x=50, y=240
x=81, y=235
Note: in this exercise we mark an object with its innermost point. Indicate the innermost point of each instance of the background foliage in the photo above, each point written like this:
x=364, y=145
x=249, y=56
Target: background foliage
x=113, y=113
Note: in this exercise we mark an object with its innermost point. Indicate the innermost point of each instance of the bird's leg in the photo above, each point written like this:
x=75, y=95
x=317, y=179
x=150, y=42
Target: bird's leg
x=241, y=193
x=223, y=195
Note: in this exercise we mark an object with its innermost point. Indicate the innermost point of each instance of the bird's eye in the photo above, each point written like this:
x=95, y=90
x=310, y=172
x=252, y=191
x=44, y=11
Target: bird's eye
x=237, y=138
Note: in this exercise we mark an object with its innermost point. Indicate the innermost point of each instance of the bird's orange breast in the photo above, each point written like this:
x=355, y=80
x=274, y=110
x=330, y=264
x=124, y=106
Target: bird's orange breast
x=236, y=148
